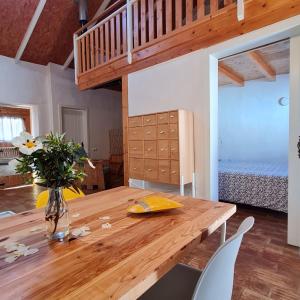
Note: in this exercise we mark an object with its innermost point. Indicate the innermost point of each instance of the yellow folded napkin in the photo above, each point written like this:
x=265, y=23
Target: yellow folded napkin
x=153, y=204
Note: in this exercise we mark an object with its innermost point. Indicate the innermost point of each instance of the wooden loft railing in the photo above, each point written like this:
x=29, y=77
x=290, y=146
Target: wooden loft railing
x=129, y=26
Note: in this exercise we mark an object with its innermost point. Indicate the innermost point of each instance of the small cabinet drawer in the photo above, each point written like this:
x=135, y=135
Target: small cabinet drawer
x=174, y=150
x=162, y=132
x=163, y=149
x=150, y=133
x=136, y=149
x=150, y=149
x=163, y=118
x=151, y=169
x=173, y=132
x=174, y=174
x=135, y=133
x=149, y=120
x=136, y=168
x=135, y=121
x=173, y=117
x=164, y=171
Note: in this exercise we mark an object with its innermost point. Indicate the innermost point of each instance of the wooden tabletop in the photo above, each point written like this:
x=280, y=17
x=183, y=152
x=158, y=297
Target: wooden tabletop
x=120, y=262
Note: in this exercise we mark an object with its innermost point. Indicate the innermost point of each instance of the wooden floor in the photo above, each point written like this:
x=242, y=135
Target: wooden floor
x=267, y=268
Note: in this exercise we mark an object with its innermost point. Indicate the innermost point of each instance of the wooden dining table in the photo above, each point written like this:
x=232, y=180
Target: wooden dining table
x=120, y=262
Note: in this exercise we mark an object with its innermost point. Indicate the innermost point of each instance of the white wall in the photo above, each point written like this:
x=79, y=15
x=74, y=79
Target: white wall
x=103, y=106
x=294, y=161
x=25, y=84
x=252, y=125
x=182, y=83
x=45, y=88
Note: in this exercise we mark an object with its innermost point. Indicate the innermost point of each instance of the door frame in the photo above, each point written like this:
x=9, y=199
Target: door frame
x=125, y=127
x=85, y=122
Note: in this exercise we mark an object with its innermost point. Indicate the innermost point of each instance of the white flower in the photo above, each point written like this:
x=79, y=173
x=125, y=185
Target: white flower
x=11, y=247
x=17, y=250
x=35, y=229
x=13, y=164
x=26, y=143
x=90, y=163
x=82, y=231
x=10, y=259
x=105, y=218
x=106, y=226
x=76, y=215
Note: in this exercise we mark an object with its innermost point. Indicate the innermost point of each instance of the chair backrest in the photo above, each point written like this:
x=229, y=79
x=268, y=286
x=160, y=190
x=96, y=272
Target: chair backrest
x=216, y=280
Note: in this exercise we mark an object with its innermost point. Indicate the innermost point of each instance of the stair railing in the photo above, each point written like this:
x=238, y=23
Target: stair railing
x=137, y=24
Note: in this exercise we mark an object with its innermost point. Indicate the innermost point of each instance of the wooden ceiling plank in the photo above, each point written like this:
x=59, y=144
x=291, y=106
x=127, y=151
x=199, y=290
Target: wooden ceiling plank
x=231, y=74
x=262, y=64
x=30, y=29
x=100, y=11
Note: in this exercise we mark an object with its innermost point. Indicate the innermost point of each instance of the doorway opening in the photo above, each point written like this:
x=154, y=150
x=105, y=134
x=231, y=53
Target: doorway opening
x=99, y=128
x=254, y=127
x=74, y=122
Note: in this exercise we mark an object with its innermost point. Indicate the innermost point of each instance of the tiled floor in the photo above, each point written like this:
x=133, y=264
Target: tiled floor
x=267, y=268
x=19, y=199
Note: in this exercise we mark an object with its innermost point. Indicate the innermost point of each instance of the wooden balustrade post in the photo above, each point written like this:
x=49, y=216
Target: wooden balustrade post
x=240, y=10
x=75, y=57
x=129, y=31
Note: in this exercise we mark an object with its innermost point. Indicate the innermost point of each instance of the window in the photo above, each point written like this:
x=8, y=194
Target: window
x=13, y=120
x=10, y=127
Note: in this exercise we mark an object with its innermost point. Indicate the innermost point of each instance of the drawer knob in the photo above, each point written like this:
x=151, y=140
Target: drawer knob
x=147, y=120
x=163, y=171
x=162, y=132
x=134, y=148
x=173, y=172
x=149, y=149
x=172, y=130
x=149, y=170
x=161, y=118
x=134, y=169
x=163, y=149
x=172, y=116
x=148, y=132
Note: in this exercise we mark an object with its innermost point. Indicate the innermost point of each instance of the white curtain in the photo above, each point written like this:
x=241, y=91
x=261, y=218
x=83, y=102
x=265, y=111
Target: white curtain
x=10, y=127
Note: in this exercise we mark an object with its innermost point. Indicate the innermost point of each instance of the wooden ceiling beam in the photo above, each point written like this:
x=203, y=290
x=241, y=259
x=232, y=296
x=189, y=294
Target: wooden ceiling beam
x=30, y=29
x=262, y=64
x=234, y=77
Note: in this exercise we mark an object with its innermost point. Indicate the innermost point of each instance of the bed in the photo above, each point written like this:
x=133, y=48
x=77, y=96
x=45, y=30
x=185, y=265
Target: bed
x=257, y=184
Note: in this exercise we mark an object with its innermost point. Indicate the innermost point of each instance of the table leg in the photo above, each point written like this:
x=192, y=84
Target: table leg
x=223, y=233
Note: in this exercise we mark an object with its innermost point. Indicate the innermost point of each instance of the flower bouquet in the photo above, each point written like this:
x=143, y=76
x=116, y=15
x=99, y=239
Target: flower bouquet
x=56, y=164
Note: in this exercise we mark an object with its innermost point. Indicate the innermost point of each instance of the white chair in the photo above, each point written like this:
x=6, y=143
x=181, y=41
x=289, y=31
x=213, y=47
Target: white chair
x=215, y=282
x=7, y=213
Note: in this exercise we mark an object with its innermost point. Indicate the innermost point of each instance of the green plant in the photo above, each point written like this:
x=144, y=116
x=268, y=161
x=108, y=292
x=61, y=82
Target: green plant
x=52, y=161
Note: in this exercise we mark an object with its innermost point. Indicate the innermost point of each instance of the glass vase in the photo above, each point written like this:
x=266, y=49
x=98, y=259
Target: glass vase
x=57, y=216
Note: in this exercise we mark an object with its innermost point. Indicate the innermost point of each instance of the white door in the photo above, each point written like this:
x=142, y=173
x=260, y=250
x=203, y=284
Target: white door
x=74, y=125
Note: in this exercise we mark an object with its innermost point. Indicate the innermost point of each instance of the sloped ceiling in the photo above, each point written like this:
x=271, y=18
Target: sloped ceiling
x=52, y=38
x=15, y=16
